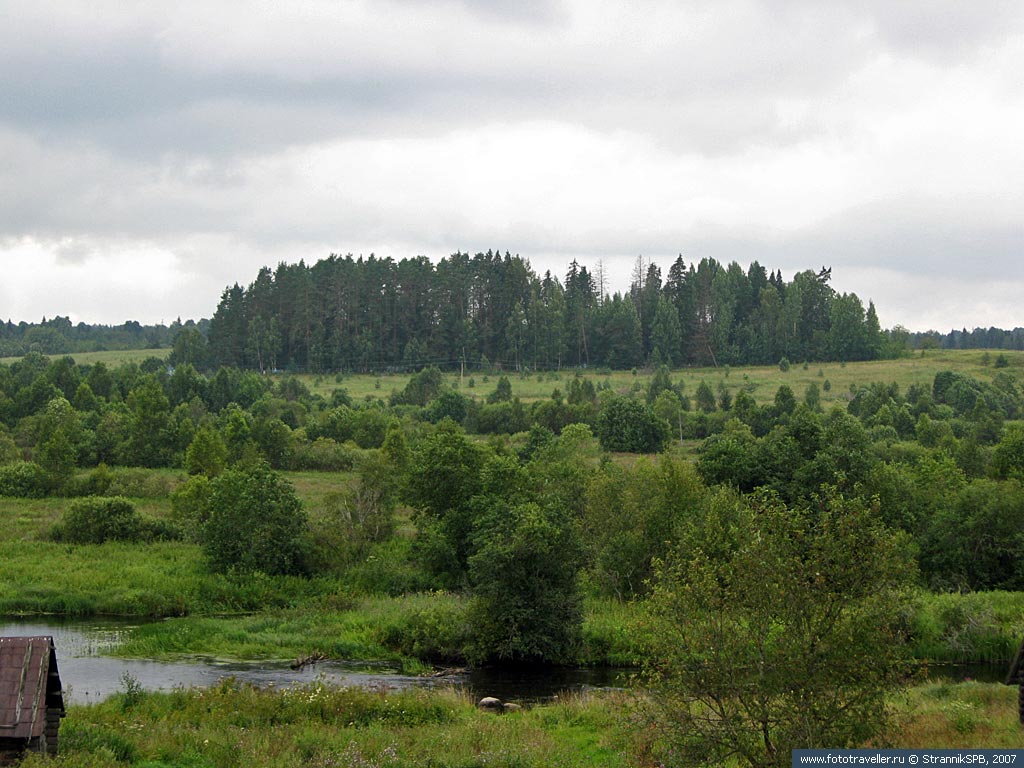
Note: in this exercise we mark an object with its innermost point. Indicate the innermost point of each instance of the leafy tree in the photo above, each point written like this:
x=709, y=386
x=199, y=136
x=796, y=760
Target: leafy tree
x=666, y=334
x=776, y=629
x=844, y=459
x=449, y=405
x=581, y=391
x=976, y=540
x=705, y=398
x=785, y=402
x=729, y=458
x=502, y=392
x=812, y=396
x=668, y=407
x=255, y=523
x=660, y=382
x=630, y=519
x=396, y=448
x=421, y=388
x=444, y=474
x=190, y=347
x=236, y=429
x=526, y=604
x=59, y=433
x=1008, y=455
x=8, y=448
x=149, y=421
x=207, y=454
x=630, y=425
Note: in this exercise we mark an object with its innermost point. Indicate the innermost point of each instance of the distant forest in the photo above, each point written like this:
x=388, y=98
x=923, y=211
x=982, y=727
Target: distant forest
x=493, y=310
x=58, y=336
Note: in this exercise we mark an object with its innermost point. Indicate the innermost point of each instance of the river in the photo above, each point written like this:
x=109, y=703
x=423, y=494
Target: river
x=89, y=674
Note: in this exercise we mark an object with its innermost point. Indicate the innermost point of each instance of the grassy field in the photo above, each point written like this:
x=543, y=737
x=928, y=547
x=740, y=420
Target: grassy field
x=110, y=358
x=761, y=381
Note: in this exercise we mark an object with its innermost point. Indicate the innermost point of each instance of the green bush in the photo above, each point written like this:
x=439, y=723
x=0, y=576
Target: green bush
x=138, y=483
x=631, y=425
x=323, y=455
x=437, y=632
x=96, y=519
x=190, y=506
x=22, y=479
x=389, y=569
x=256, y=523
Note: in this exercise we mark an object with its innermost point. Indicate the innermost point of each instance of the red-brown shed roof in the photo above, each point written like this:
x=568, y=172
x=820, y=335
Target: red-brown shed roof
x=29, y=682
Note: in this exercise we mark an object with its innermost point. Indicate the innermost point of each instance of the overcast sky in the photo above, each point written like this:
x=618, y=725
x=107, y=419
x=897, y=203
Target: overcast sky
x=153, y=153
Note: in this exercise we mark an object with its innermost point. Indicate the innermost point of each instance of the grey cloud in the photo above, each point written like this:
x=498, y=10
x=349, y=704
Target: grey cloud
x=946, y=29
x=141, y=95
x=534, y=12
x=923, y=237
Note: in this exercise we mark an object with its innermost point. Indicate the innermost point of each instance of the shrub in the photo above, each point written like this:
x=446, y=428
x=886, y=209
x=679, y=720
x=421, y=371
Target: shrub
x=630, y=425
x=138, y=483
x=190, y=506
x=22, y=479
x=437, y=631
x=256, y=523
x=97, y=519
x=207, y=454
x=323, y=454
x=774, y=628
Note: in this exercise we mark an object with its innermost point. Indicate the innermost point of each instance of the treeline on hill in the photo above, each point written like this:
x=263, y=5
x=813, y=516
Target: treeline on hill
x=59, y=336
x=346, y=314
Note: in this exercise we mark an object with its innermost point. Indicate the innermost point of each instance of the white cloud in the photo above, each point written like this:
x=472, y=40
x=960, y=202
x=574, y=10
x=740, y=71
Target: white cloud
x=88, y=281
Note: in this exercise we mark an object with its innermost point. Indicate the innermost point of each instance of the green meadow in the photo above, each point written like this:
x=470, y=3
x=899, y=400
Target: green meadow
x=760, y=381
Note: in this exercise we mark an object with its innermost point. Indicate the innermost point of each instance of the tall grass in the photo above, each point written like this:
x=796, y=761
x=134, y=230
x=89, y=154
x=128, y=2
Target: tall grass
x=966, y=715
x=973, y=627
x=317, y=725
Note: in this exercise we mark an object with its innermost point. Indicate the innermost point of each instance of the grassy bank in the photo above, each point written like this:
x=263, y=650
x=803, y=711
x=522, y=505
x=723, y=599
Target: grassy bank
x=320, y=726
x=232, y=725
x=408, y=630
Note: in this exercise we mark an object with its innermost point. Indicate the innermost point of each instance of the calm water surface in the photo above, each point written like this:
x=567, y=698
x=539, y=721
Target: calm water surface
x=88, y=675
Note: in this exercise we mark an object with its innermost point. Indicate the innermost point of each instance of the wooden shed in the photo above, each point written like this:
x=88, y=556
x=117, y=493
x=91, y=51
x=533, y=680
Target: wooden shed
x=31, y=701
x=1016, y=677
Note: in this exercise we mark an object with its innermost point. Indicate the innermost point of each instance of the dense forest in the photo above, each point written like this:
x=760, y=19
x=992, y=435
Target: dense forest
x=59, y=336
x=373, y=314
x=369, y=314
